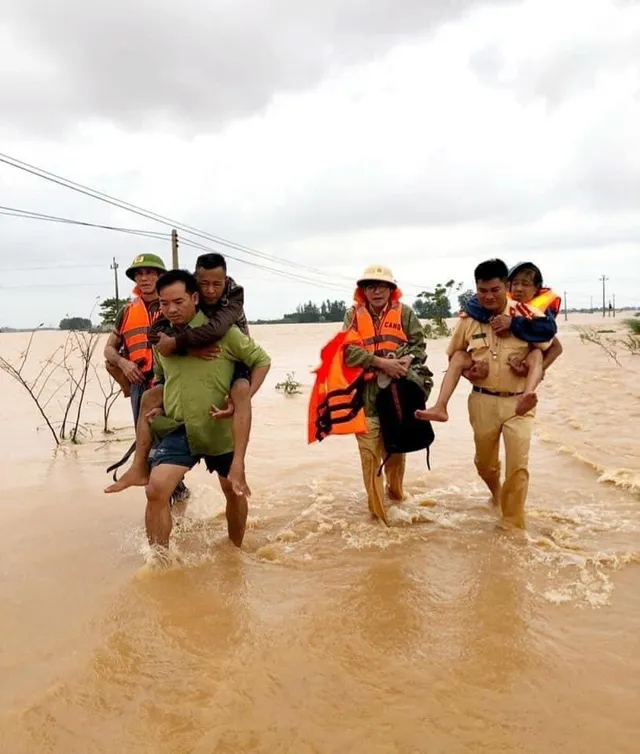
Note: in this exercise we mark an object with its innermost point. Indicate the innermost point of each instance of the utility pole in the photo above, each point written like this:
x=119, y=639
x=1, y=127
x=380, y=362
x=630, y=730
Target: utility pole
x=565, y=306
x=614, y=305
x=114, y=267
x=604, y=279
x=174, y=249
x=591, y=304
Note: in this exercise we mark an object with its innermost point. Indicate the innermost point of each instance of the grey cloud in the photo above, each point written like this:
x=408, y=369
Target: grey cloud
x=561, y=75
x=192, y=66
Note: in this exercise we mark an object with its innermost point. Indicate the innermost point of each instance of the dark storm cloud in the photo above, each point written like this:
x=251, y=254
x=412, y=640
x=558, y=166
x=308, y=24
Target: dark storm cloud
x=193, y=64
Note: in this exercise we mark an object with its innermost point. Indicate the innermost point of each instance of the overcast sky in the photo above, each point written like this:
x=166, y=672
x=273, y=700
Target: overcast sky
x=427, y=135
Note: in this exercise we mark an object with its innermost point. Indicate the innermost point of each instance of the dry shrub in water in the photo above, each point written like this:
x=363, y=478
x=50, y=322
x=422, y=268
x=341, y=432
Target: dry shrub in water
x=73, y=360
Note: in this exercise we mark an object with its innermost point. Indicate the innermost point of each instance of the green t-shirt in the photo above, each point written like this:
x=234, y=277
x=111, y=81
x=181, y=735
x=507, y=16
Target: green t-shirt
x=193, y=385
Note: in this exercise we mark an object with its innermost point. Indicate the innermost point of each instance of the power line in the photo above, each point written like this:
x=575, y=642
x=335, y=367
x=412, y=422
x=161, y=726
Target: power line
x=28, y=215
x=156, y=217
x=291, y=275
x=149, y=214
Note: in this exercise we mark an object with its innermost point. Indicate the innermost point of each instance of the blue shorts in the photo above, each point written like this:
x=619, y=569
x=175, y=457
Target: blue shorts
x=174, y=449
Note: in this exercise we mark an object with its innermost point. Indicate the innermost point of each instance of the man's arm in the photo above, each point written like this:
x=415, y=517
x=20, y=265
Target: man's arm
x=245, y=349
x=218, y=325
x=459, y=339
x=417, y=343
x=551, y=354
x=112, y=353
x=355, y=356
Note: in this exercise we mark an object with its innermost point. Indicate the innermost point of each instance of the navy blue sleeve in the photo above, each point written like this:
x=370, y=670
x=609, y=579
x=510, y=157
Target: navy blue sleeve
x=537, y=330
x=476, y=311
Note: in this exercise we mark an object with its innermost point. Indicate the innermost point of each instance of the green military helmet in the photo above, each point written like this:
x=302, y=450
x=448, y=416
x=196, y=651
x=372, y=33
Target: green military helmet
x=152, y=261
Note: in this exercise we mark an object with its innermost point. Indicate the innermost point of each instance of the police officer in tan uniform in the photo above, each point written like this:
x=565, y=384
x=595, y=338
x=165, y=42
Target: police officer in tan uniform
x=496, y=389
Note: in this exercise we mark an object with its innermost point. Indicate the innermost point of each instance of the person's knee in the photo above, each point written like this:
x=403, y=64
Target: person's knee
x=151, y=399
x=157, y=493
x=485, y=467
x=461, y=360
x=241, y=391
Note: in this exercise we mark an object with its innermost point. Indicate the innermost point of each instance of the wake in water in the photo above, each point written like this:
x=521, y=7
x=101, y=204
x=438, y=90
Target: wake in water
x=562, y=551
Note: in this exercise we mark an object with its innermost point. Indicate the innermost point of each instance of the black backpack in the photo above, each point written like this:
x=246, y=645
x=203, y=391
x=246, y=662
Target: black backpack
x=401, y=431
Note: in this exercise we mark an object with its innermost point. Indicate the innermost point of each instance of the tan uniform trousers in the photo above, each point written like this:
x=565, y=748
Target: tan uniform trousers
x=372, y=454
x=492, y=417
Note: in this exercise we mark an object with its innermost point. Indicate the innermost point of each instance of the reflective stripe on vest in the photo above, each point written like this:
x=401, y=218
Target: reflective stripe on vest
x=135, y=334
x=384, y=339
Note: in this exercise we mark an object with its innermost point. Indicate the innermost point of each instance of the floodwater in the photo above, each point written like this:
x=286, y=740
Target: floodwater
x=327, y=633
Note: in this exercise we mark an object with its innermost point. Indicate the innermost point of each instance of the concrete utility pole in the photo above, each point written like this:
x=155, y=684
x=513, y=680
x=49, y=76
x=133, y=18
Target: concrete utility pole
x=174, y=249
x=565, y=306
x=614, y=305
x=114, y=267
x=591, y=304
x=604, y=279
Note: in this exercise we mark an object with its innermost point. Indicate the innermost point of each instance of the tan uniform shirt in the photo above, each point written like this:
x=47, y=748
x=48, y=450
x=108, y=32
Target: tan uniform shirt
x=484, y=345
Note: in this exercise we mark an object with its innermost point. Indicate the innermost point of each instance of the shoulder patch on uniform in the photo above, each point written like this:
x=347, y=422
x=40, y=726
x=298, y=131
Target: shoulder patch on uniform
x=478, y=335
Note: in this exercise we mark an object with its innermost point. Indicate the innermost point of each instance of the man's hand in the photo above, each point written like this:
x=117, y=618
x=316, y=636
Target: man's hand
x=501, y=325
x=478, y=371
x=208, y=353
x=165, y=344
x=131, y=372
x=407, y=361
x=394, y=368
x=519, y=366
x=151, y=415
x=223, y=413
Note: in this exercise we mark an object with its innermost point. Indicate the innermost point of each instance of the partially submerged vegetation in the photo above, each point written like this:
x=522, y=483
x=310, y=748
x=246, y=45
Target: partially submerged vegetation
x=59, y=387
x=612, y=345
x=289, y=386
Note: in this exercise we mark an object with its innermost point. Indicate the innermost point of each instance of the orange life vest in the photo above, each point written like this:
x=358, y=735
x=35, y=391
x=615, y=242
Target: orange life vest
x=385, y=337
x=336, y=405
x=135, y=332
x=336, y=402
x=547, y=299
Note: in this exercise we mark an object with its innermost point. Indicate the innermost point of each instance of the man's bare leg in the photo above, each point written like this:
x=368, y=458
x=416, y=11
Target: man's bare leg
x=240, y=429
x=528, y=400
x=138, y=474
x=162, y=482
x=118, y=376
x=438, y=412
x=237, y=511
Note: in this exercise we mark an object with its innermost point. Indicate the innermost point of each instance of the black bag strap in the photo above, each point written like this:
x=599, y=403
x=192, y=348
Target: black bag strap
x=388, y=456
x=115, y=466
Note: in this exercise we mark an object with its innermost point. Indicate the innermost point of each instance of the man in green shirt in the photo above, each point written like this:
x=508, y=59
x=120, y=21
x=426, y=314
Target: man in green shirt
x=192, y=387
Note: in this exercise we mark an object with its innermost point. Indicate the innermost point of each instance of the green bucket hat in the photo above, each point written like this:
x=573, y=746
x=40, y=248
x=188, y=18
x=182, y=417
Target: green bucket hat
x=145, y=260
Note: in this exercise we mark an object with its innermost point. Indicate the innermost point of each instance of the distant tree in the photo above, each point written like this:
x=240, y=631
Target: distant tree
x=436, y=304
x=464, y=298
x=109, y=309
x=328, y=311
x=75, y=323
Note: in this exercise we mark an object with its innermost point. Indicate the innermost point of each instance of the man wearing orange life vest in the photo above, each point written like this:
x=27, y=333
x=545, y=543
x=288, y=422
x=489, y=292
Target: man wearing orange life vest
x=387, y=342
x=128, y=353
